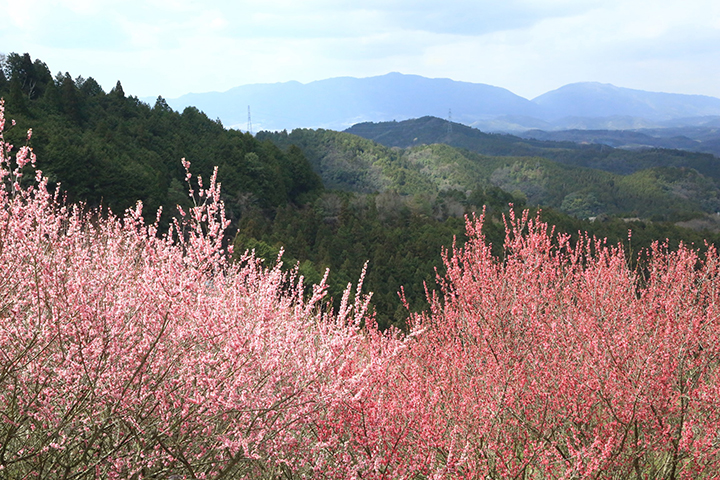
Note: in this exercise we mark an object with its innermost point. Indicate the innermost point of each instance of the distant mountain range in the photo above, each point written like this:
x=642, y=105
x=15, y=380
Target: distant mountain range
x=338, y=103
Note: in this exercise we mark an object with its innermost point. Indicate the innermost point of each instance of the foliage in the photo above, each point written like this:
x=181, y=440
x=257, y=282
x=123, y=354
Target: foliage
x=557, y=361
x=431, y=130
x=397, y=236
x=351, y=163
x=110, y=149
x=126, y=353
x=663, y=186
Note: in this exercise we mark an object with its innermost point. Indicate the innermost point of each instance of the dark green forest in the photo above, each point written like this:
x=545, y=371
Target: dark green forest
x=110, y=149
x=336, y=200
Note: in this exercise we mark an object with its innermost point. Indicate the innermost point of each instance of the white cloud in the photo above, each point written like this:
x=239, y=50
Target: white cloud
x=171, y=47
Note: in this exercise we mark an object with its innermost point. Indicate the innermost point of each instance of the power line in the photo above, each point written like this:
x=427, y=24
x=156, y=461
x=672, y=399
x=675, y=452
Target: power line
x=449, y=121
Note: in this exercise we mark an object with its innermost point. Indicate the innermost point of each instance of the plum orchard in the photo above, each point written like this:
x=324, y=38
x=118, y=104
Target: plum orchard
x=129, y=354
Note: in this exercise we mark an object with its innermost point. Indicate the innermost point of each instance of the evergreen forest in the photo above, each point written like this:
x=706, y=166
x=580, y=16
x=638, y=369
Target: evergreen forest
x=392, y=195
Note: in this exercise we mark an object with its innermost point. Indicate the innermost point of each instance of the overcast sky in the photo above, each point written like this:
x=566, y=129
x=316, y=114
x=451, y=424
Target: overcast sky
x=172, y=47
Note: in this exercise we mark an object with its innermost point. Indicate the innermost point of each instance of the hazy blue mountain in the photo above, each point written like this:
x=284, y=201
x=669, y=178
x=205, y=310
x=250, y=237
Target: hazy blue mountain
x=338, y=103
x=591, y=99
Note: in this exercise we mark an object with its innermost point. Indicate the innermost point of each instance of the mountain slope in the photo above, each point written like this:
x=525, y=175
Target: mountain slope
x=638, y=184
x=337, y=103
x=592, y=99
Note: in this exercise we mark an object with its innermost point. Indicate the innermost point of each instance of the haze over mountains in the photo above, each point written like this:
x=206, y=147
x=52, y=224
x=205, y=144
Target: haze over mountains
x=339, y=103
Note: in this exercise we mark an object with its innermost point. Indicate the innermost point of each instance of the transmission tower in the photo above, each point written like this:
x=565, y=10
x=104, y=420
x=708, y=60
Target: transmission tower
x=249, y=125
x=449, y=121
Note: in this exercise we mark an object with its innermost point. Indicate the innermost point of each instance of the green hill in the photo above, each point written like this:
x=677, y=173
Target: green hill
x=659, y=192
x=336, y=200
x=112, y=149
x=429, y=130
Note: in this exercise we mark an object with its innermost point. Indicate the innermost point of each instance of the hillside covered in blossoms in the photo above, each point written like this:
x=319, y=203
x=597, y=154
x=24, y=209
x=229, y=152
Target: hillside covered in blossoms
x=151, y=339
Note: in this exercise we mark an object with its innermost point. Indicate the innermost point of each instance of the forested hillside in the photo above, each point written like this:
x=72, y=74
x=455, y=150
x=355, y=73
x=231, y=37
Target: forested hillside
x=429, y=130
x=659, y=185
x=394, y=208
x=111, y=149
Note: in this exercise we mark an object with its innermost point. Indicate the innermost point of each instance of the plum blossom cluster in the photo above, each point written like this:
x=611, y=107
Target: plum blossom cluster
x=556, y=361
x=130, y=353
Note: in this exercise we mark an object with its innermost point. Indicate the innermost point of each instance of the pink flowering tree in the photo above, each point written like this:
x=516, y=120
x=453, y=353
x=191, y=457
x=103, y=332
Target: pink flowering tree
x=129, y=354
x=556, y=361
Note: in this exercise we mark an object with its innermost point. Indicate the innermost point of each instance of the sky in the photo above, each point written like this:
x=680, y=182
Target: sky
x=173, y=47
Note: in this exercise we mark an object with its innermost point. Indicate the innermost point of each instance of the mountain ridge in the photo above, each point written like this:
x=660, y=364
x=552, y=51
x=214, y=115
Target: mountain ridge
x=340, y=102
x=606, y=100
